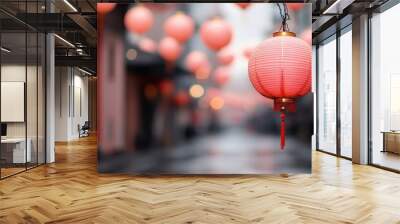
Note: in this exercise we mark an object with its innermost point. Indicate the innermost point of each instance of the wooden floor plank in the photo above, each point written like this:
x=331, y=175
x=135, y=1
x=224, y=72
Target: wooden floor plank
x=71, y=191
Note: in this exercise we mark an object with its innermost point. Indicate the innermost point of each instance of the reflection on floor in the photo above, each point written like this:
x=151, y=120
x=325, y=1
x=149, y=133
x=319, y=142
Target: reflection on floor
x=72, y=191
x=233, y=151
x=10, y=171
x=387, y=159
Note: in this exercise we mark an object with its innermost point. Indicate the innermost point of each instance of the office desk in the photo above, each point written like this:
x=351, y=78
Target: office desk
x=391, y=141
x=15, y=148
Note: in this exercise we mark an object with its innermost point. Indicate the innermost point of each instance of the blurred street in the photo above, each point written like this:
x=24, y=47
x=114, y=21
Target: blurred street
x=233, y=151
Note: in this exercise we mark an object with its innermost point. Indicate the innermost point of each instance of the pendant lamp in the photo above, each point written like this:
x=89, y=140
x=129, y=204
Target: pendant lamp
x=280, y=69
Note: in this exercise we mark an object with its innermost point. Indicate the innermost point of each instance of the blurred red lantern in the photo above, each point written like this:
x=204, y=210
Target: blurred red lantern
x=169, y=49
x=248, y=51
x=160, y=7
x=181, y=98
x=307, y=36
x=148, y=45
x=139, y=19
x=195, y=59
x=104, y=8
x=243, y=5
x=166, y=87
x=280, y=69
x=179, y=26
x=221, y=75
x=225, y=57
x=216, y=33
x=295, y=6
x=203, y=71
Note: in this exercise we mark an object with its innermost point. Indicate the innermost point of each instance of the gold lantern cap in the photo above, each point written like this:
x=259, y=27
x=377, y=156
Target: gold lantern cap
x=284, y=34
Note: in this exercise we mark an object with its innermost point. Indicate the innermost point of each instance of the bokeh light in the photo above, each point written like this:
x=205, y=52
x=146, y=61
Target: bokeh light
x=196, y=91
x=217, y=103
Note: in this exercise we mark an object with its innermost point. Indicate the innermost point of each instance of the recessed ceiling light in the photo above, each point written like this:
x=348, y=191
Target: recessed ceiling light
x=84, y=71
x=70, y=5
x=5, y=50
x=64, y=40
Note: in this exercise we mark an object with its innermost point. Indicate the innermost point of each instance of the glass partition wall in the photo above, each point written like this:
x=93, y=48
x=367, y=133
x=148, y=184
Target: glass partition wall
x=385, y=89
x=345, y=93
x=327, y=95
x=334, y=89
x=22, y=88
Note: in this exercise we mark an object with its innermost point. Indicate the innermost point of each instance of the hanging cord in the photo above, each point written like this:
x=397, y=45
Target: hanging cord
x=284, y=13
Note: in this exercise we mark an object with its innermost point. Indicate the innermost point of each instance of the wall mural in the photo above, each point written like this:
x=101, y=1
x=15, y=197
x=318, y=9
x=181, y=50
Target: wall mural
x=204, y=88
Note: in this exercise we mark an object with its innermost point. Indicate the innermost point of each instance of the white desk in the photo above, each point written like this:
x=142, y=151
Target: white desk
x=19, y=155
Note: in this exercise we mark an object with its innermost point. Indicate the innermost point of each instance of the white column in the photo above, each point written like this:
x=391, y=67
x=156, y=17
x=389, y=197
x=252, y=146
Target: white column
x=50, y=99
x=360, y=90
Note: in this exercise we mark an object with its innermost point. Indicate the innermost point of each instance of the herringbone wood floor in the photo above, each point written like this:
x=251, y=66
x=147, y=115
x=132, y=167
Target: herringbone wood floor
x=71, y=191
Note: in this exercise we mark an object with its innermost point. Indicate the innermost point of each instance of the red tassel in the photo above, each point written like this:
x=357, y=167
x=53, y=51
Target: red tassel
x=282, y=130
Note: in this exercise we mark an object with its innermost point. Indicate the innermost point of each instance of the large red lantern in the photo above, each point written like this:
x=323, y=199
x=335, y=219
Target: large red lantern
x=216, y=33
x=169, y=49
x=179, y=26
x=138, y=19
x=104, y=8
x=280, y=69
x=225, y=57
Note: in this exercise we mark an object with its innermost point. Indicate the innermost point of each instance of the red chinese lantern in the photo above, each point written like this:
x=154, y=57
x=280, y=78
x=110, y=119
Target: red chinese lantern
x=195, y=59
x=148, y=45
x=138, y=20
x=221, y=75
x=179, y=26
x=295, y=6
x=280, y=69
x=216, y=34
x=169, y=49
x=225, y=57
x=243, y=5
x=104, y=8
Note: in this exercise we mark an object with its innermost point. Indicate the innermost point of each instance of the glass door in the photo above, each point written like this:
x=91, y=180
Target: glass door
x=327, y=95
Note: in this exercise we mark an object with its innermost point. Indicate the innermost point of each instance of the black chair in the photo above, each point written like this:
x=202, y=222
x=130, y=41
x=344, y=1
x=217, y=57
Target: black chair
x=84, y=130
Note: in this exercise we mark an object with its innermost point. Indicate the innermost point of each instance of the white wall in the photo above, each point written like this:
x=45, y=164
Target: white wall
x=71, y=93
